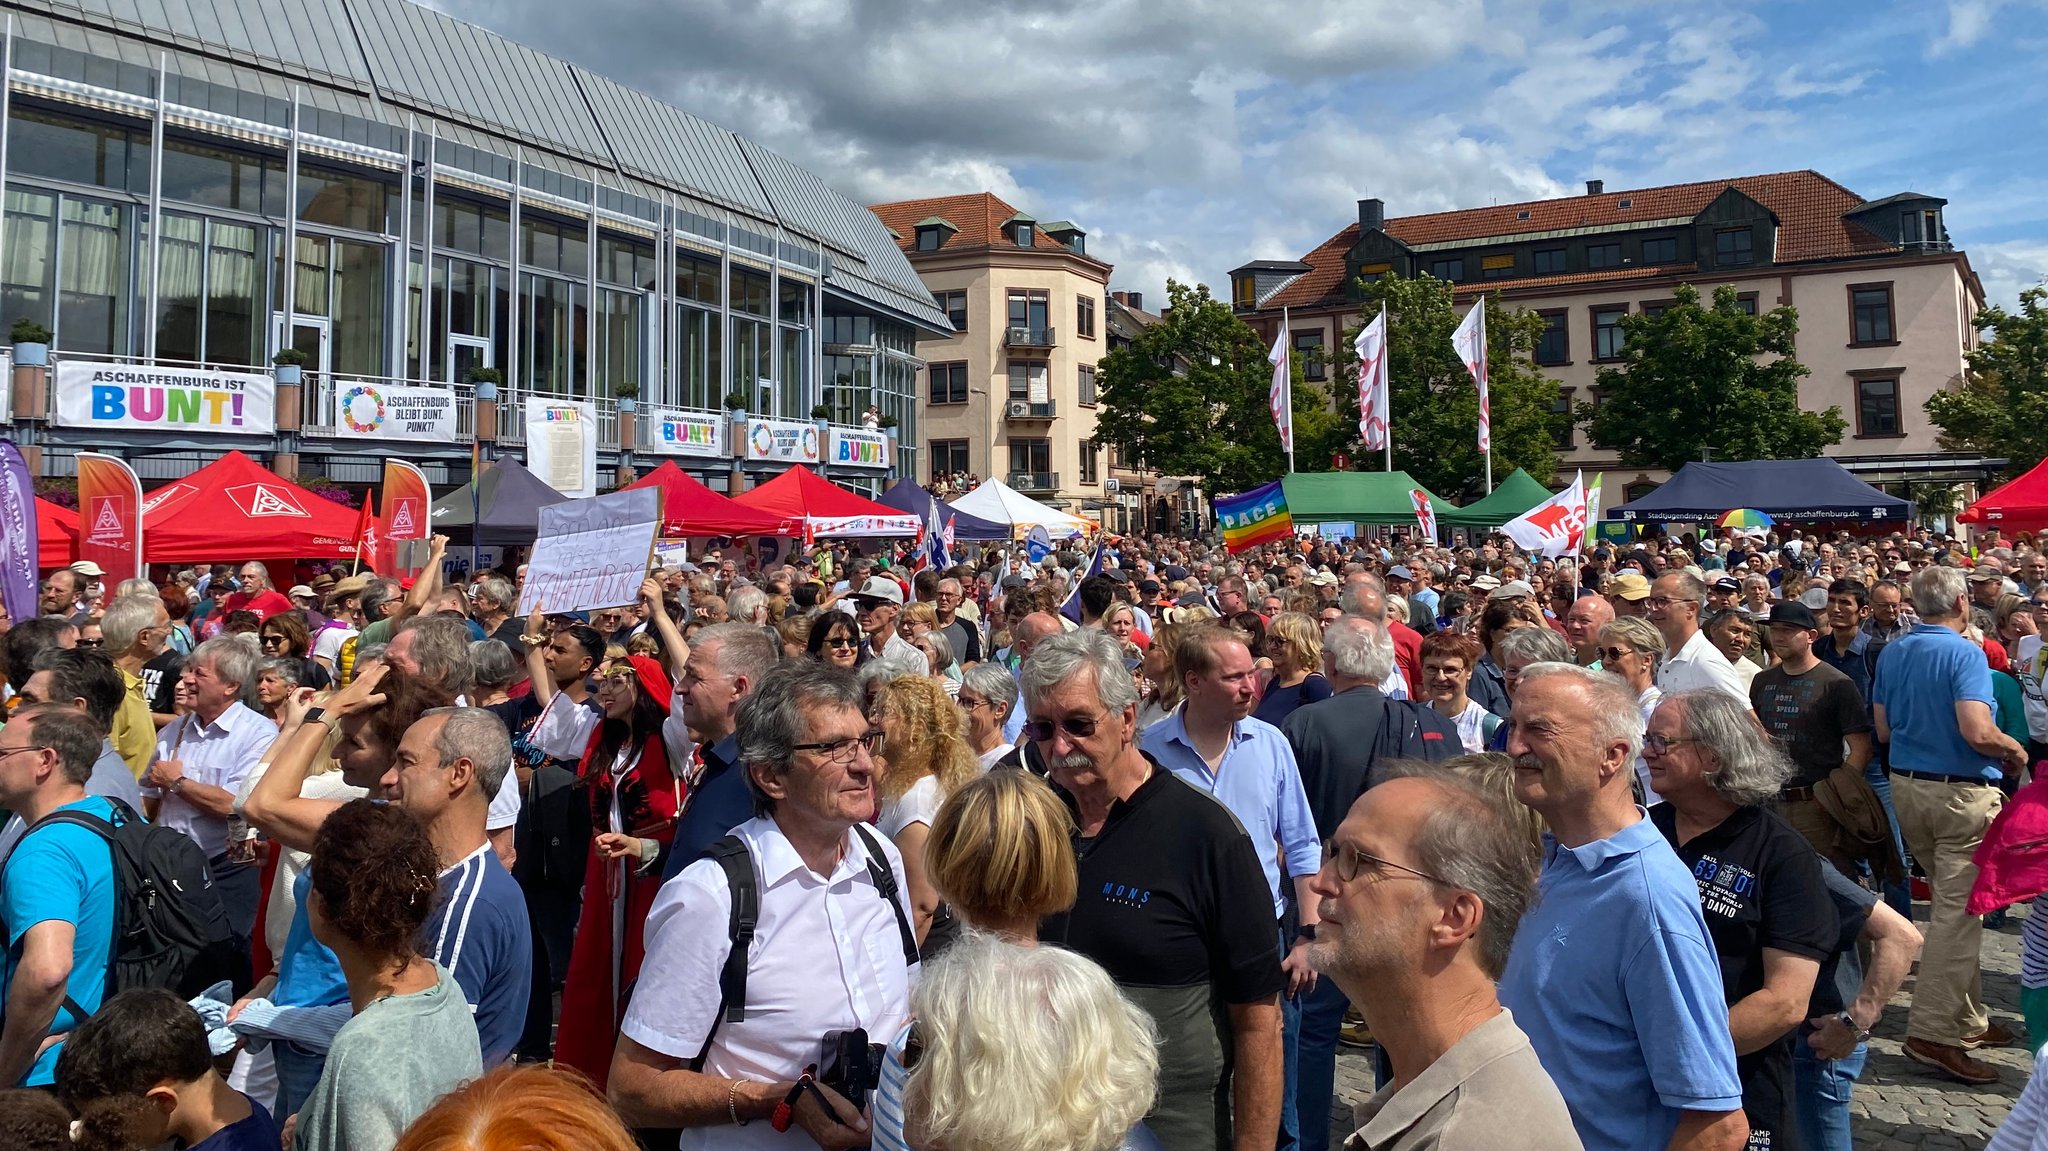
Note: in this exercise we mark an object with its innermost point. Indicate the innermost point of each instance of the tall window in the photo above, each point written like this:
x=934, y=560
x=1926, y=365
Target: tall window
x=1028, y=382
x=1660, y=250
x=1084, y=317
x=1308, y=352
x=1732, y=248
x=1561, y=425
x=1877, y=407
x=1603, y=255
x=1030, y=311
x=1607, y=335
x=1032, y=459
x=1550, y=262
x=1244, y=292
x=1554, y=346
x=1091, y=462
x=1085, y=392
x=1870, y=307
x=954, y=304
x=948, y=383
x=948, y=456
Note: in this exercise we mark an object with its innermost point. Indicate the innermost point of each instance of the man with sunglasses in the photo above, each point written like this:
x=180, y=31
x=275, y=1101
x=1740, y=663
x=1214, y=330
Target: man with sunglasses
x=876, y=606
x=1174, y=902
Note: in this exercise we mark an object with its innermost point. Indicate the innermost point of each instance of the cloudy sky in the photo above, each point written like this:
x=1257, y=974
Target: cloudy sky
x=1188, y=136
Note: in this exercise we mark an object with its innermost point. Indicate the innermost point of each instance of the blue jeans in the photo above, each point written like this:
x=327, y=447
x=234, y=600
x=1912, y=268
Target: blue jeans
x=1321, y=1014
x=1820, y=1095
x=1898, y=896
x=298, y=1072
x=1290, y=1036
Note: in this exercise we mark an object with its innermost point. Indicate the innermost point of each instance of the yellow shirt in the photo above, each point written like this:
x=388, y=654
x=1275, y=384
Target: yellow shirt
x=134, y=731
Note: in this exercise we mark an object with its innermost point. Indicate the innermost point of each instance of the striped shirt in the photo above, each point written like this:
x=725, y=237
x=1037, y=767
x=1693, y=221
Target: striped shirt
x=480, y=933
x=2034, y=951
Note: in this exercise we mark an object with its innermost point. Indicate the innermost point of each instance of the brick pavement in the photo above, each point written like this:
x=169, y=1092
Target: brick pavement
x=1898, y=1105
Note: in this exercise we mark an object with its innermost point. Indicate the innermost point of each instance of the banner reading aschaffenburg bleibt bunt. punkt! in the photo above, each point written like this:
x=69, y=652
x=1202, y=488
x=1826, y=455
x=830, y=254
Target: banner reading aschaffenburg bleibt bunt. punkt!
x=92, y=394
x=389, y=412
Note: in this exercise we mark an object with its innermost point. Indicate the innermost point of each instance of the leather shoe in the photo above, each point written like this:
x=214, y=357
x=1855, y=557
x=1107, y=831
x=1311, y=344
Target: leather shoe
x=1950, y=1061
x=1994, y=1035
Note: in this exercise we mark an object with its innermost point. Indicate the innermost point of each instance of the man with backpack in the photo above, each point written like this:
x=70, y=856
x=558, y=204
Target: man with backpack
x=57, y=891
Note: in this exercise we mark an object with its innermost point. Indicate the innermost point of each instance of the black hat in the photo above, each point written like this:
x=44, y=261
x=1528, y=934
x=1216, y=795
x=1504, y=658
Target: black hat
x=1794, y=614
x=1728, y=584
x=1148, y=586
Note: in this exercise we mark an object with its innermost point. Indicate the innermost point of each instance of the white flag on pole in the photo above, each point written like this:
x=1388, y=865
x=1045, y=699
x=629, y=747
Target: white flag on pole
x=1557, y=526
x=1279, y=398
x=1470, y=342
x=1371, y=346
x=1425, y=514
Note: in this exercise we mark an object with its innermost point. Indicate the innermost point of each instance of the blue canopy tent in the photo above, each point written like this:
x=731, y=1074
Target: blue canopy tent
x=908, y=496
x=510, y=499
x=1818, y=489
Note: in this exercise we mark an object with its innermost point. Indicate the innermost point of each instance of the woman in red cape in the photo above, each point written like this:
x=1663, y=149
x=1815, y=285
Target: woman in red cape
x=635, y=795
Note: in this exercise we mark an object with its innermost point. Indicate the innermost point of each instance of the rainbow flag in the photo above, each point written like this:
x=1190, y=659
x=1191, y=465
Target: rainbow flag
x=1256, y=517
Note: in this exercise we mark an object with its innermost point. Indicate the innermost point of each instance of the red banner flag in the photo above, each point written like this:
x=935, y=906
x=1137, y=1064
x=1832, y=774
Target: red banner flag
x=370, y=537
x=110, y=516
x=408, y=509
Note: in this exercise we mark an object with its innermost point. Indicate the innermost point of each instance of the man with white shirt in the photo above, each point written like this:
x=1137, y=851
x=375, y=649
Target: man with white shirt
x=822, y=886
x=1692, y=663
x=201, y=761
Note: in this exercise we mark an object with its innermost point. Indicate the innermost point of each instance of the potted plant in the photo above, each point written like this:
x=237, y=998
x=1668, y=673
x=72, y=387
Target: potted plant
x=291, y=365
x=31, y=343
x=486, y=381
x=628, y=394
x=888, y=423
x=736, y=403
x=821, y=414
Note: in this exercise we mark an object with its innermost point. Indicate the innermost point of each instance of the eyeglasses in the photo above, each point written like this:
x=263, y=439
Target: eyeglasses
x=969, y=703
x=1347, y=861
x=1614, y=654
x=5, y=752
x=1660, y=601
x=1077, y=726
x=83, y=642
x=1659, y=745
x=842, y=750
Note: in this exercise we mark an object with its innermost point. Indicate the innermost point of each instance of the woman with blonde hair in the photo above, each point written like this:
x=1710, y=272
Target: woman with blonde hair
x=1295, y=645
x=925, y=757
x=522, y=1108
x=1159, y=685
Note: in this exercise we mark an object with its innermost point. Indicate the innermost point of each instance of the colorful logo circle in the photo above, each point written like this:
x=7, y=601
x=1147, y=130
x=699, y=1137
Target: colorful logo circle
x=763, y=439
x=810, y=443
x=348, y=409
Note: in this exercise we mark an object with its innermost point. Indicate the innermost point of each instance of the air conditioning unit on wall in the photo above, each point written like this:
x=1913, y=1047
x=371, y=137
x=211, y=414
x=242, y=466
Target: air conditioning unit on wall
x=1019, y=409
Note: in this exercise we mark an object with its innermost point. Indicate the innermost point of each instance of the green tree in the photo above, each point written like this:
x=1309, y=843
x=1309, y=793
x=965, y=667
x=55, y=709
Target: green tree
x=1435, y=417
x=2000, y=407
x=1697, y=379
x=1188, y=397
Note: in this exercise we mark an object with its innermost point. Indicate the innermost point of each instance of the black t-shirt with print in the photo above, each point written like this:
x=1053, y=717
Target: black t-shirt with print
x=1760, y=887
x=1808, y=715
x=160, y=681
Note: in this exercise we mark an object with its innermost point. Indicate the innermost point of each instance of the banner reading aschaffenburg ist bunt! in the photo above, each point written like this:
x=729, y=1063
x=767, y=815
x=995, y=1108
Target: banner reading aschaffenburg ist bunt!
x=1256, y=517
x=109, y=516
x=100, y=395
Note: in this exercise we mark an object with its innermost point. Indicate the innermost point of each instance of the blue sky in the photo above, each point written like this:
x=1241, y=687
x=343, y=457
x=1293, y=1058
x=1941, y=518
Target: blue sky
x=1188, y=136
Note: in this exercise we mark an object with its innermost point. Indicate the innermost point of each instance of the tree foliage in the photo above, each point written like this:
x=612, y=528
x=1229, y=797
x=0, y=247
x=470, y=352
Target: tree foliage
x=2000, y=407
x=1698, y=378
x=1188, y=397
x=1435, y=417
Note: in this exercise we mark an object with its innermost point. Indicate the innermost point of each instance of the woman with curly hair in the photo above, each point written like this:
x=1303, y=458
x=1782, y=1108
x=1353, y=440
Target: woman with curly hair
x=926, y=758
x=412, y=1039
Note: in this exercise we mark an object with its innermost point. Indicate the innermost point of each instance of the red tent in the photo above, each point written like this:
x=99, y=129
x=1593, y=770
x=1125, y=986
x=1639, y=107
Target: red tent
x=235, y=507
x=56, y=535
x=2021, y=505
x=809, y=505
x=688, y=508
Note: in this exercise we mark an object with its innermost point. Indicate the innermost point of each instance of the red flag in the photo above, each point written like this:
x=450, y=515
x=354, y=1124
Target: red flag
x=110, y=516
x=370, y=537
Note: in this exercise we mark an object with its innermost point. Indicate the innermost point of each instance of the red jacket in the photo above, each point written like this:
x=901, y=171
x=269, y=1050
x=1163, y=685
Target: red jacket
x=2012, y=860
x=1408, y=654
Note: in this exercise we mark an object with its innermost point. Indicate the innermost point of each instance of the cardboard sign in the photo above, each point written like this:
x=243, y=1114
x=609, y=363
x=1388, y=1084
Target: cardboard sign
x=592, y=553
x=178, y=400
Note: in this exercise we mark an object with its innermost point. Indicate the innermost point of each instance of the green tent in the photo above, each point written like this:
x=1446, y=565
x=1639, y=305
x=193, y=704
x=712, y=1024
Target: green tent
x=1355, y=497
x=1509, y=498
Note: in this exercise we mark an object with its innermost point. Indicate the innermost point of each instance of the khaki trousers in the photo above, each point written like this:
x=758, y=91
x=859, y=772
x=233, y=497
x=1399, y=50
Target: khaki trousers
x=1943, y=823
x=1812, y=821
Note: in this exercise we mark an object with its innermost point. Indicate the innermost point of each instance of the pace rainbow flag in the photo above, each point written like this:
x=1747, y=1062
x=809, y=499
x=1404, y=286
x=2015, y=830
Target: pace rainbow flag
x=1256, y=517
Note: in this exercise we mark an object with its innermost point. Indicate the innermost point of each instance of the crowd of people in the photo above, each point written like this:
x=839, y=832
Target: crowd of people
x=1113, y=850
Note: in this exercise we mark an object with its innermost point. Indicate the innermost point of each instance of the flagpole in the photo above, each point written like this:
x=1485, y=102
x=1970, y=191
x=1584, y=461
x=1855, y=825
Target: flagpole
x=1287, y=393
x=1387, y=362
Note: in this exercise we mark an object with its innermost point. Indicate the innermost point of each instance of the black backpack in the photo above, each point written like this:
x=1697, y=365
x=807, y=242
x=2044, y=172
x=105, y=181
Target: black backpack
x=170, y=929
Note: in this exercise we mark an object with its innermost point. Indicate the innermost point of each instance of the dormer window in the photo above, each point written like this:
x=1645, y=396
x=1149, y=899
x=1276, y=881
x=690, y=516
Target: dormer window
x=1921, y=226
x=1021, y=228
x=933, y=232
x=1244, y=291
x=1022, y=235
x=1068, y=235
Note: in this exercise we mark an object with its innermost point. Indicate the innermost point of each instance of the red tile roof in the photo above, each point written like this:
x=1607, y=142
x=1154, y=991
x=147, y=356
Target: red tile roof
x=1809, y=207
x=980, y=216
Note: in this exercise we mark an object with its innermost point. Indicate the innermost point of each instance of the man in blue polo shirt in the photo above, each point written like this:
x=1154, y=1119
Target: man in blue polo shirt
x=1934, y=706
x=1213, y=743
x=1612, y=974
x=57, y=891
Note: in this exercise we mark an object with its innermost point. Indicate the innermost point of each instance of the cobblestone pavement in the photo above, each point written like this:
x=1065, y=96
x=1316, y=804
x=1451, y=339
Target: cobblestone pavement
x=1898, y=1104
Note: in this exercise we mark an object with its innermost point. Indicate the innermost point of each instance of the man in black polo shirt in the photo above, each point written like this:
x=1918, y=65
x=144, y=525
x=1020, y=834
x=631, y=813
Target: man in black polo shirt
x=1173, y=902
x=1813, y=711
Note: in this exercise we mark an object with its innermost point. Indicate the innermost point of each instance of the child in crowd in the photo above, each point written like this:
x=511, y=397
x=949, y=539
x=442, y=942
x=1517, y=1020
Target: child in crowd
x=139, y=1074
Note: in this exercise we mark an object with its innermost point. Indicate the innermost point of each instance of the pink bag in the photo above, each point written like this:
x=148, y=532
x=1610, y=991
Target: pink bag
x=2012, y=861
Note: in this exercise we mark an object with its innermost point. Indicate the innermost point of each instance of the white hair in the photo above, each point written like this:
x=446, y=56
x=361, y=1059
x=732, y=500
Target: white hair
x=1611, y=702
x=1359, y=648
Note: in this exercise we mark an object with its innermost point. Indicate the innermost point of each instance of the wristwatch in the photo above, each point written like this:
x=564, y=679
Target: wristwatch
x=178, y=786
x=1848, y=1021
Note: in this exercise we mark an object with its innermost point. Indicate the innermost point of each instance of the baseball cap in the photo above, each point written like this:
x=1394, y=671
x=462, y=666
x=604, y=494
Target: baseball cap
x=1323, y=579
x=1986, y=571
x=1795, y=614
x=1148, y=586
x=1631, y=586
x=1484, y=582
x=1176, y=572
x=1013, y=582
x=1117, y=574
x=882, y=588
x=88, y=569
x=1728, y=584
x=1398, y=571
x=299, y=589
x=1513, y=589
x=1815, y=598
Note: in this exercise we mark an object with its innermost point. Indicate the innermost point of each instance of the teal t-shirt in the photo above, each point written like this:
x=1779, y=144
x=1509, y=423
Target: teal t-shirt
x=62, y=872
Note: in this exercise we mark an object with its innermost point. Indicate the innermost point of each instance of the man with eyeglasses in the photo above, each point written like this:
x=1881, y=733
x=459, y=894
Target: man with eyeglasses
x=1612, y=973
x=1174, y=902
x=832, y=949
x=1421, y=889
x=1691, y=662
x=84, y=680
x=255, y=594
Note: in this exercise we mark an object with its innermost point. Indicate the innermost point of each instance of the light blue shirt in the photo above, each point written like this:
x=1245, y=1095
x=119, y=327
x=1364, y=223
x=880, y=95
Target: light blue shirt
x=1260, y=784
x=220, y=754
x=1921, y=676
x=1615, y=981
x=65, y=873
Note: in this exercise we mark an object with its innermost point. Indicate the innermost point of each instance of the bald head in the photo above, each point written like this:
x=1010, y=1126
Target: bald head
x=1582, y=624
x=1365, y=596
x=1033, y=628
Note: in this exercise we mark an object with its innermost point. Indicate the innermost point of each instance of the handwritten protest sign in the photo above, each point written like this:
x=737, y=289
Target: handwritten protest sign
x=592, y=553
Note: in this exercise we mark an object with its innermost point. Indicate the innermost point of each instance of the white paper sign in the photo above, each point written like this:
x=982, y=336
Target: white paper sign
x=848, y=447
x=561, y=445
x=674, y=433
x=91, y=394
x=592, y=553
x=368, y=410
x=784, y=440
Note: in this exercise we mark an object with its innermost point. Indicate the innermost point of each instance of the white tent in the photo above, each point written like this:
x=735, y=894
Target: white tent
x=995, y=501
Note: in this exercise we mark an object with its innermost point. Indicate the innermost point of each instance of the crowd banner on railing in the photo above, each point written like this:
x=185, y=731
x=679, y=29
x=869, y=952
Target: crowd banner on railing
x=96, y=394
x=369, y=409
x=674, y=433
x=19, y=542
x=109, y=516
x=785, y=440
x=859, y=448
x=561, y=445
x=1259, y=516
x=592, y=553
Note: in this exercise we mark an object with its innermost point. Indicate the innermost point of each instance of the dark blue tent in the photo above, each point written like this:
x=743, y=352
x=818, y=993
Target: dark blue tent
x=908, y=496
x=510, y=498
x=1783, y=489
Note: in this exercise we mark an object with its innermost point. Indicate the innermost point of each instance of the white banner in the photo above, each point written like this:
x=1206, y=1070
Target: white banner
x=561, y=445
x=865, y=526
x=673, y=433
x=1372, y=381
x=856, y=448
x=592, y=553
x=186, y=400
x=6, y=387
x=367, y=410
x=784, y=440
x=1557, y=526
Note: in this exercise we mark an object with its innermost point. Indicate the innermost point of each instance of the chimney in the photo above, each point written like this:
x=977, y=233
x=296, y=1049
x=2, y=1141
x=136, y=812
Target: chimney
x=1595, y=187
x=1119, y=298
x=1372, y=215
x=1134, y=301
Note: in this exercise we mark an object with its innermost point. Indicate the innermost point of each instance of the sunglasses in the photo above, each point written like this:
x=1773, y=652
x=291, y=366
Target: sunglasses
x=1079, y=727
x=841, y=641
x=1614, y=654
x=92, y=642
x=272, y=641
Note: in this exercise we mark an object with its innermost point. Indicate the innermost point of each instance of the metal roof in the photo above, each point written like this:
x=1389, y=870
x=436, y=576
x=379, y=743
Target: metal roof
x=307, y=37
x=665, y=144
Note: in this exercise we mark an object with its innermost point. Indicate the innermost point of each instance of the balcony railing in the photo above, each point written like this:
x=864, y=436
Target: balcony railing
x=1022, y=410
x=1035, y=481
x=1026, y=337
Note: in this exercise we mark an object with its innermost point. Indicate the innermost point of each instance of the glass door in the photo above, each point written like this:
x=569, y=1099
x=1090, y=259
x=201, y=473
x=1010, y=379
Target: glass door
x=311, y=335
x=466, y=353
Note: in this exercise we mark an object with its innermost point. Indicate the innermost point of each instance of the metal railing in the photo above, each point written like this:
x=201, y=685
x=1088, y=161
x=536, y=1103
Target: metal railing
x=1035, y=481
x=1025, y=337
x=1031, y=409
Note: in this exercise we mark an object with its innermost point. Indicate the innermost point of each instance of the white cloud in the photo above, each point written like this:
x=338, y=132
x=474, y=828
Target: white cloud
x=2008, y=268
x=1968, y=20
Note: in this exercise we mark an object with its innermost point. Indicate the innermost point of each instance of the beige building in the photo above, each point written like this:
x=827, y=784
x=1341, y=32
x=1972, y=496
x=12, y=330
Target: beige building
x=1011, y=394
x=1885, y=301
